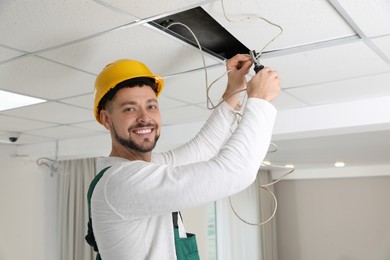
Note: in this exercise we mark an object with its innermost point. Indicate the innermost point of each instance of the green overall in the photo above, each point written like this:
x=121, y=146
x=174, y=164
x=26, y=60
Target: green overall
x=186, y=248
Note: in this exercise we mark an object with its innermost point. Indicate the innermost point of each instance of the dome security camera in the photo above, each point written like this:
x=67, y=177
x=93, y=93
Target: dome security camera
x=13, y=137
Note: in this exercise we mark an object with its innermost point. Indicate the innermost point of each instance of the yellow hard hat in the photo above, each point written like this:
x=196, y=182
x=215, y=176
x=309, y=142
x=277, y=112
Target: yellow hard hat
x=117, y=72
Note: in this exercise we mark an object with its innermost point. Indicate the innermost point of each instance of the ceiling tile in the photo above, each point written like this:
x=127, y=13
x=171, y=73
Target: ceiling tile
x=33, y=26
x=41, y=78
x=372, y=16
x=85, y=101
x=148, y=8
x=61, y=132
x=327, y=64
x=53, y=112
x=163, y=54
x=7, y=53
x=186, y=114
x=345, y=90
x=191, y=87
x=286, y=101
x=91, y=125
x=12, y=124
x=168, y=103
x=282, y=102
x=303, y=22
x=383, y=44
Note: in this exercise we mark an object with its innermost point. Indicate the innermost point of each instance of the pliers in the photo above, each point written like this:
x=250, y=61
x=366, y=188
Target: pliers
x=256, y=61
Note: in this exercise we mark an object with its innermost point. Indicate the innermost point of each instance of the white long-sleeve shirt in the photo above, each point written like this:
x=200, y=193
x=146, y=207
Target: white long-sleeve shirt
x=132, y=204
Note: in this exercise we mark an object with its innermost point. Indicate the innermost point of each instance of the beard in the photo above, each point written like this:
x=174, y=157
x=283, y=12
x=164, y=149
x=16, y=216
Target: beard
x=145, y=147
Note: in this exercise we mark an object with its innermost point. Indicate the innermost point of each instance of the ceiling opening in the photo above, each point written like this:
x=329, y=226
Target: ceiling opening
x=213, y=38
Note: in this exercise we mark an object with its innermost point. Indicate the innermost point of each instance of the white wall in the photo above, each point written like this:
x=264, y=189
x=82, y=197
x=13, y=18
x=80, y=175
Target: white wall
x=28, y=215
x=340, y=218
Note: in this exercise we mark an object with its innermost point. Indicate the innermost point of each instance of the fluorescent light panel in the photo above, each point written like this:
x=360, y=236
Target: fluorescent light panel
x=9, y=100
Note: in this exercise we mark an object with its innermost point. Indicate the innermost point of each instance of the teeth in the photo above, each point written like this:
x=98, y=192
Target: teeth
x=143, y=131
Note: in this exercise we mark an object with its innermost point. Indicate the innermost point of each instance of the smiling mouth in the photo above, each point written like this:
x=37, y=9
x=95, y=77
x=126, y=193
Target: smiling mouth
x=143, y=131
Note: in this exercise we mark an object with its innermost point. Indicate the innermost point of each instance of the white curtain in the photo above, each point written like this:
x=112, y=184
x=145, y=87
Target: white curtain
x=236, y=239
x=268, y=230
x=239, y=240
x=74, y=177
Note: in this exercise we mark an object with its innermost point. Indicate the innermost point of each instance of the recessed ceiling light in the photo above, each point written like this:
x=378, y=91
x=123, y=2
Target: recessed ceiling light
x=9, y=100
x=339, y=164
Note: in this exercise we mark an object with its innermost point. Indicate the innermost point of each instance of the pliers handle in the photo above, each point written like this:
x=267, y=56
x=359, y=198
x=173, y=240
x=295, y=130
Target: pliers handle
x=256, y=61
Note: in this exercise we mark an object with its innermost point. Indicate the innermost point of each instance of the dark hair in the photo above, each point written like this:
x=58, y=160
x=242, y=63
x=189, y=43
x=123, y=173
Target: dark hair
x=126, y=84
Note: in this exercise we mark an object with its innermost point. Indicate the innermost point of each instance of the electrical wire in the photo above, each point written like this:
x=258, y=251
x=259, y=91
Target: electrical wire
x=203, y=60
x=291, y=170
x=260, y=223
x=258, y=55
x=210, y=106
x=275, y=148
x=253, y=18
x=265, y=187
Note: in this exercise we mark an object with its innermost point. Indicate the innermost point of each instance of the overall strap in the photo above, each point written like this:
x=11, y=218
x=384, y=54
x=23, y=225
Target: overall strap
x=92, y=187
x=90, y=237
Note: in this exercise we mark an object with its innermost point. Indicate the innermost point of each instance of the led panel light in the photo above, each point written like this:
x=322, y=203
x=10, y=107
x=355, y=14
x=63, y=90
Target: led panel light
x=9, y=100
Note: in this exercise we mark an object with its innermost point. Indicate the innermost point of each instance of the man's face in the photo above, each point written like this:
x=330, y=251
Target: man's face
x=135, y=118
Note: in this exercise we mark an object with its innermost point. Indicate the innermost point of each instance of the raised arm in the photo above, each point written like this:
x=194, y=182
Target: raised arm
x=163, y=188
x=216, y=130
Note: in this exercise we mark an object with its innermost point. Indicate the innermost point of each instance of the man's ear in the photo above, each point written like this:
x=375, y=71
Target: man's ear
x=105, y=119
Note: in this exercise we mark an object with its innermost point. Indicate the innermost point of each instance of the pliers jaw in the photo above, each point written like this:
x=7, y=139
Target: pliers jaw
x=256, y=61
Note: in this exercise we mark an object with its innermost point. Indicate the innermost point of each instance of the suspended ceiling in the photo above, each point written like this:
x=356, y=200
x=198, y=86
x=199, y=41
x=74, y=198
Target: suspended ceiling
x=333, y=58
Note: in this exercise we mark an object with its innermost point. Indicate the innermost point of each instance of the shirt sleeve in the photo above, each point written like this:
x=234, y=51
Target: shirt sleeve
x=206, y=143
x=138, y=188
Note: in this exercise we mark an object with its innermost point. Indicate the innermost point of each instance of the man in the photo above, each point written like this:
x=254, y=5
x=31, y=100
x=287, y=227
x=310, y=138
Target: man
x=132, y=203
